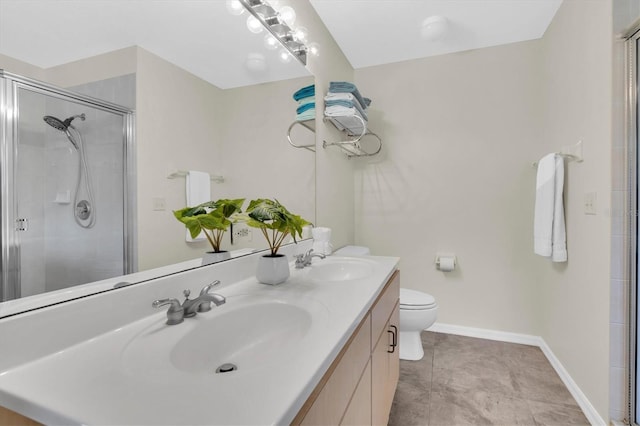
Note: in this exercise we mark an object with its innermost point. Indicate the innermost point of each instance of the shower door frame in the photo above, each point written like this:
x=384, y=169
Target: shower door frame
x=632, y=44
x=10, y=84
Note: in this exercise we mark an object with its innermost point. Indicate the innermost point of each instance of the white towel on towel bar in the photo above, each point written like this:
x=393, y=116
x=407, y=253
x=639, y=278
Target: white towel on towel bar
x=198, y=190
x=549, y=232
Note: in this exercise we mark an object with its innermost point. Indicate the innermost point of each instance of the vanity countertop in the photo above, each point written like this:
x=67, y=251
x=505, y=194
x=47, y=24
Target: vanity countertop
x=127, y=375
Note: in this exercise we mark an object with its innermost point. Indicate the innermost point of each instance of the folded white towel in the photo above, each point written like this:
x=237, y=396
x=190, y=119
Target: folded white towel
x=345, y=118
x=549, y=227
x=198, y=191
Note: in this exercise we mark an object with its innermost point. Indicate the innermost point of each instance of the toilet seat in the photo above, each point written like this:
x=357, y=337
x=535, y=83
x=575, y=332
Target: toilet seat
x=416, y=300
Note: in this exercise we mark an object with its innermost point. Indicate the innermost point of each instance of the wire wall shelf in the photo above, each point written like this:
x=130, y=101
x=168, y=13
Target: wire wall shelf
x=353, y=147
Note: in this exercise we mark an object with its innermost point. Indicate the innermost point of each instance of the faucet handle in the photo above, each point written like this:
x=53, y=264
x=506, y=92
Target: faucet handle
x=175, y=313
x=207, y=288
x=300, y=259
x=206, y=306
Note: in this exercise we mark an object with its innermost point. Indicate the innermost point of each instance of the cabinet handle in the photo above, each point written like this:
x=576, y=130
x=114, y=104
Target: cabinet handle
x=394, y=340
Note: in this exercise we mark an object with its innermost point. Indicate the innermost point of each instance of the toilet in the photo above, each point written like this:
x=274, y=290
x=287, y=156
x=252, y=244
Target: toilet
x=418, y=311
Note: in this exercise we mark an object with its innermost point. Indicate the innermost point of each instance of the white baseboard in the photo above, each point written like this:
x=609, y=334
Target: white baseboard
x=527, y=339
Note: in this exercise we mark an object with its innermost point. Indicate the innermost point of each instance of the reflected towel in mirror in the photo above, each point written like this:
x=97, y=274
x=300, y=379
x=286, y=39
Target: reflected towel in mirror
x=198, y=191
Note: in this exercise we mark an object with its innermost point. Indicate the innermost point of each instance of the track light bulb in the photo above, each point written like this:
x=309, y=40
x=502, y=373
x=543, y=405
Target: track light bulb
x=234, y=7
x=270, y=42
x=254, y=25
x=288, y=15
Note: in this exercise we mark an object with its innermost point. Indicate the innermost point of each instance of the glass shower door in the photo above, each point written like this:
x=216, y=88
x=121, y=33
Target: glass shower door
x=68, y=192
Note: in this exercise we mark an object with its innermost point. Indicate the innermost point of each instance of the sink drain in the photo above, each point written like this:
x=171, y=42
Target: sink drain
x=225, y=368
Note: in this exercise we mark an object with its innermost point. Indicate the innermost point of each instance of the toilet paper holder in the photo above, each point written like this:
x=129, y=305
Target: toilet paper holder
x=446, y=262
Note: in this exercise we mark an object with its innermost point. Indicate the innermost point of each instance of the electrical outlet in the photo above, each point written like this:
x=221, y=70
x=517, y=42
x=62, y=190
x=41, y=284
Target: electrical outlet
x=241, y=232
x=590, y=203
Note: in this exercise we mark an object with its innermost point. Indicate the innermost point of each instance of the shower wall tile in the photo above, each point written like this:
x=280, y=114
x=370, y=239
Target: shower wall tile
x=618, y=171
x=619, y=215
x=618, y=387
x=100, y=249
x=617, y=352
x=619, y=309
x=619, y=258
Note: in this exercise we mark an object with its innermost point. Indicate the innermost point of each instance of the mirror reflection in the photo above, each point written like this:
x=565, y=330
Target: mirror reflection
x=103, y=206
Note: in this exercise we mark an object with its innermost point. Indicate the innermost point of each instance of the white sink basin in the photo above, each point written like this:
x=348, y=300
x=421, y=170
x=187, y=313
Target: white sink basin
x=340, y=269
x=248, y=337
x=249, y=333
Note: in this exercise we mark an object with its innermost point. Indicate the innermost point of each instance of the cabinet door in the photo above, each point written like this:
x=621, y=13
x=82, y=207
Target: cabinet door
x=385, y=371
x=359, y=410
x=331, y=399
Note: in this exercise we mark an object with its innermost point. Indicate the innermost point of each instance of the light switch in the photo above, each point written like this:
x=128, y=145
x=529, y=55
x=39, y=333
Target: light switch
x=159, y=204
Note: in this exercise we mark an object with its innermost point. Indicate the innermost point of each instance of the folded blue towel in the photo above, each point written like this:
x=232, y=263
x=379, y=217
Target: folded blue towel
x=346, y=87
x=307, y=115
x=305, y=107
x=305, y=92
x=306, y=100
x=348, y=104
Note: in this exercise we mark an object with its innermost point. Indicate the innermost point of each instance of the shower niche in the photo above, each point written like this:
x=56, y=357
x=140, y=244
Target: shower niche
x=65, y=192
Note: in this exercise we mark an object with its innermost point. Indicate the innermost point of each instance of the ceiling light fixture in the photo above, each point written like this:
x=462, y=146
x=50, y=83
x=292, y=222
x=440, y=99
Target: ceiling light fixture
x=434, y=28
x=278, y=24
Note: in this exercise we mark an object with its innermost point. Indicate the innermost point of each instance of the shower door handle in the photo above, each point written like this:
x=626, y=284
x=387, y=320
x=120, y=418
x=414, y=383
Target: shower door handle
x=22, y=224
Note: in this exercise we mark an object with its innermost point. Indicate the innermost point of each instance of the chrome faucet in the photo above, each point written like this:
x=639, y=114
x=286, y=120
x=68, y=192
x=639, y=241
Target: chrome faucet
x=305, y=259
x=177, y=312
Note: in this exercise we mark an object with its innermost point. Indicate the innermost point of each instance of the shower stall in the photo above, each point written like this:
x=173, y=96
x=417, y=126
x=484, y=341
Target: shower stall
x=66, y=188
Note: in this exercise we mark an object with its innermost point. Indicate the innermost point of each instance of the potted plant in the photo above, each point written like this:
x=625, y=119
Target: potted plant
x=276, y=224
x=213, y=219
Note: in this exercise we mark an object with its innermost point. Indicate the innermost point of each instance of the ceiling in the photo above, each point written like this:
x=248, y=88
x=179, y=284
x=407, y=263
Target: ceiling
x=375, y=32
x=203, y=38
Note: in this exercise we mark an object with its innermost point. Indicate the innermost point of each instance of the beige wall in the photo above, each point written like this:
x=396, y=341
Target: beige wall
x=459, y=134
x=574, y=310
x=258, y=160
x=178, y=121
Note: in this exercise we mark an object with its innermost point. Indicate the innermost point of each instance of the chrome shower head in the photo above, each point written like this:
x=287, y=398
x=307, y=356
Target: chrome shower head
x=63, y=126
x=54, y=122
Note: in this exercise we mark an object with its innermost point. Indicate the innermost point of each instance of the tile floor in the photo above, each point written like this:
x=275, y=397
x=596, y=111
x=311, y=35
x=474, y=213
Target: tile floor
x=468, y=381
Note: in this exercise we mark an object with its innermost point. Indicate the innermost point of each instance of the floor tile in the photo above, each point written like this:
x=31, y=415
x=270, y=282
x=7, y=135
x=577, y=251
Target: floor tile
x=410, y=406
x=547, y=414
x=451, y=406
x=469, y=381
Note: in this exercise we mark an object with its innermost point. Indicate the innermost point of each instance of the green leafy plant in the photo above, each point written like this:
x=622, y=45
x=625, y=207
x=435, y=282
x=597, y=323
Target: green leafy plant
x=213, y=218
x=275, y=222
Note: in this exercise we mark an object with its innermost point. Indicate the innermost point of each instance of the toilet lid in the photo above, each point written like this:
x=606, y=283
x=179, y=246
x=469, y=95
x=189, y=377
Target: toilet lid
x=412, y=299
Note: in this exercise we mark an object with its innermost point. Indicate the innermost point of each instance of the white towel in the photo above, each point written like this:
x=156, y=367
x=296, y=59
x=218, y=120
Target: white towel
x=198, y=190
x=549, y=232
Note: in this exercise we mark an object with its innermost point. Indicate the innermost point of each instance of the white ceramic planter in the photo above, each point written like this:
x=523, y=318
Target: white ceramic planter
x=213, y=257
x=272, y=270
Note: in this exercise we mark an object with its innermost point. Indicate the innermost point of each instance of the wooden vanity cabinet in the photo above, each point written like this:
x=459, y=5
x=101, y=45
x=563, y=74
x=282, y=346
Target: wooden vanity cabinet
x=11, y=418
x=359, y=386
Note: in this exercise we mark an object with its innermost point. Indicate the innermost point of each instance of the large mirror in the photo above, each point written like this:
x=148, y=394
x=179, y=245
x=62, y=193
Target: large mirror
x=208, y=96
